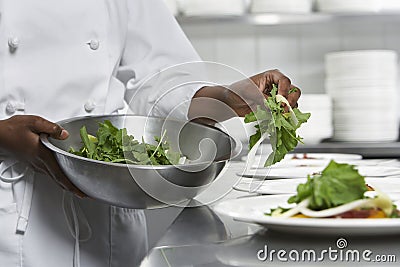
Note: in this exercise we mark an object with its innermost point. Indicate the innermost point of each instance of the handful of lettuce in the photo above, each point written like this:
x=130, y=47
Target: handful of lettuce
x=278, y=124
x=115, y=145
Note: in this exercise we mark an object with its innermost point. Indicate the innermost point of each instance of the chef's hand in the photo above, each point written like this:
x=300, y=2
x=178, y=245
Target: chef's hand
x=19, y=135
x=241, y=97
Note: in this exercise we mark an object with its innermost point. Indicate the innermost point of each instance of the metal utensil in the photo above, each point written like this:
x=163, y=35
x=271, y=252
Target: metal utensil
x=146, y=186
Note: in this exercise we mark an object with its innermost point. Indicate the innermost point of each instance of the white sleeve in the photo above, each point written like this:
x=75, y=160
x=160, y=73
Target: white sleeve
x=156, y=47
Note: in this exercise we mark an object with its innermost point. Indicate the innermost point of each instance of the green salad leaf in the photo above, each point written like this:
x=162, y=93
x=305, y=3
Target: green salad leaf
x=338, y=184
x=115, y=145
x=278, y=124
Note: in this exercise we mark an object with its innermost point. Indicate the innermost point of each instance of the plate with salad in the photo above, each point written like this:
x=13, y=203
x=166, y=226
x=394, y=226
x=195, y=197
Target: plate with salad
x=336, y=201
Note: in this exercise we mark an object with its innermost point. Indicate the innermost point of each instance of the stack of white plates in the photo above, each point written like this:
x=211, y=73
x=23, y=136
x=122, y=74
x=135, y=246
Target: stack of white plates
x=363, y=86
x=212, y=7
x=349, y=5
x=281, y=6
x=319, y=126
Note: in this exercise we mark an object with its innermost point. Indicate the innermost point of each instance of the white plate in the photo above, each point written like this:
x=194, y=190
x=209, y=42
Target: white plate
x=259, y=163
x=274, y=187
x=360, y=83
x=375, y=126
x=252, y=210
x=251, y=185
x=290, y=159
x=280, y=173
x=269, y=187
x=302, y=172
x=334, y=156
x=359, y=56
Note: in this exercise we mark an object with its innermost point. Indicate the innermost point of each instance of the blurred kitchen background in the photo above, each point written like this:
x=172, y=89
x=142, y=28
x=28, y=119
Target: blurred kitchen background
x=352, y=94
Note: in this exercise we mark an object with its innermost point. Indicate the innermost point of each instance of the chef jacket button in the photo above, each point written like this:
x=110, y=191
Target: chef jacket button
x=13, y=42
x=12, y=107
x=94, y=44
x=90, y=105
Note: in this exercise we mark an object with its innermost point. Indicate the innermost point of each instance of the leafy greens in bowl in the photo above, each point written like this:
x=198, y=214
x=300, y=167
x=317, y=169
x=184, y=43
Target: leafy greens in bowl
x=115, y=145
x=136, y=185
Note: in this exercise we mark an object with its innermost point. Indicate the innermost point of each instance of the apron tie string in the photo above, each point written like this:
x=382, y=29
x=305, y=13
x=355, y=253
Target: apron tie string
x=8, y=168
x=76, y=220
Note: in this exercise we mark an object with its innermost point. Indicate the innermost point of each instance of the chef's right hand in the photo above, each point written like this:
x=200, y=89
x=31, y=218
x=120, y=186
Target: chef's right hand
x=19, y=135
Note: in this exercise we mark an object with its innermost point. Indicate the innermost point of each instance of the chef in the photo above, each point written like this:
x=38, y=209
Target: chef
x=62, y=59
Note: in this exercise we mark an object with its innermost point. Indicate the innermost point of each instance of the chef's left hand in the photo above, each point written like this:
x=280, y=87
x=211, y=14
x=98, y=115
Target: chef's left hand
x=20, y=136
x=241, y=97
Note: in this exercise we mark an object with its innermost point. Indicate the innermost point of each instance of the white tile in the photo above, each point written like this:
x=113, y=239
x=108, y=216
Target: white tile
x=359, y=34
x=203, y=39
x=205, y=47
x=392, y=36
x=298, y=51
x=316, y=40
x=236, y=47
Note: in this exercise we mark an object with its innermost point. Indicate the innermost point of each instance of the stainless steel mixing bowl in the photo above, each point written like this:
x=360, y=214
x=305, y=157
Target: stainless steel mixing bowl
x=146, y=186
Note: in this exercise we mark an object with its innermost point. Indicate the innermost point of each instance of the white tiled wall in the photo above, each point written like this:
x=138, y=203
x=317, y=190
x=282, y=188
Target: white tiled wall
x=297, y=50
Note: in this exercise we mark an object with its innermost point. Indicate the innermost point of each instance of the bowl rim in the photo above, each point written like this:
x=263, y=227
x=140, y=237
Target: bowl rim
x=44, y=138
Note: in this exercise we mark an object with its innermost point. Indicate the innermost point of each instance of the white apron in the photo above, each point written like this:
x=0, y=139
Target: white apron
x=61, y=59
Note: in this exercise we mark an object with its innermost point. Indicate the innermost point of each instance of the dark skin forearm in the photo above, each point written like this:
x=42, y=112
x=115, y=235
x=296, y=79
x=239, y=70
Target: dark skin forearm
x=209, y=105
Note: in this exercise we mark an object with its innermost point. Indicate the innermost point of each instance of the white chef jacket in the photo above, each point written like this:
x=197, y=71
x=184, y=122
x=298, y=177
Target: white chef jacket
x=61, y=59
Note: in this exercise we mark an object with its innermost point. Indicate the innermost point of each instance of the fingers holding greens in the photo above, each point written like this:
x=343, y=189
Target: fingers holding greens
x=279, y=125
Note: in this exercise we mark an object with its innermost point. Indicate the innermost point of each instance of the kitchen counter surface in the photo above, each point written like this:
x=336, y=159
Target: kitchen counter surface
x=201, y=237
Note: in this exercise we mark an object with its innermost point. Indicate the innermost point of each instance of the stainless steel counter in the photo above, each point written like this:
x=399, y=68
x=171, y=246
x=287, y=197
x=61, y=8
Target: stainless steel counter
x=200, y=237
x=222, y=243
